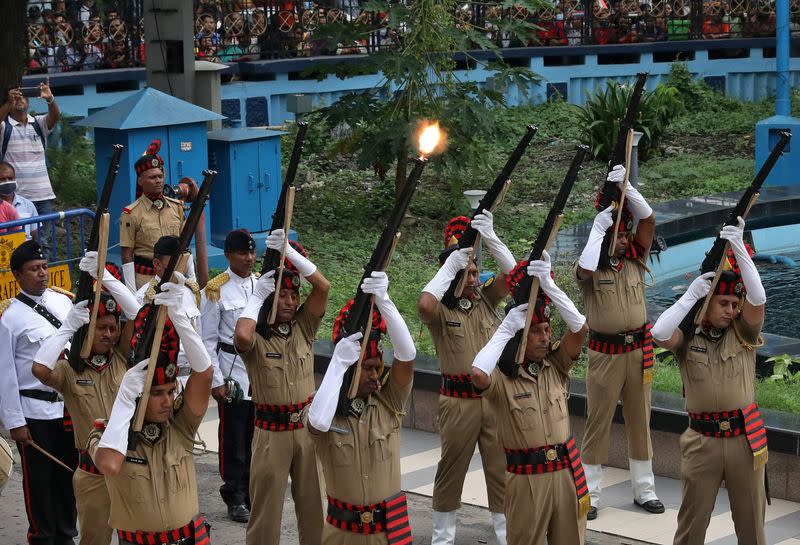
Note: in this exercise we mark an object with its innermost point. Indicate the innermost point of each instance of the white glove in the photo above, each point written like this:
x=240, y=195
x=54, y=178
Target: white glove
x=734, y=234
x=590, y=256
x=265, y=286
x=671, y=318
x=115, y=435
x=323, y=407
x=569, y=312
x=120, y=292
x=636, y=203
x=277, y=241
x=191, y=342
x=129, y=275
x=88, y=264
x=484, y=224
x=486, y=360
x=52, y=347
x=617, y=175
x=190, y=272
x=402, y=342
x=171, y=294
x=440, y=283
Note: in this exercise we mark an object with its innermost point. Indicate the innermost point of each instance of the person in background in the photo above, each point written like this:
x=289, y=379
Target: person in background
x=23, y=207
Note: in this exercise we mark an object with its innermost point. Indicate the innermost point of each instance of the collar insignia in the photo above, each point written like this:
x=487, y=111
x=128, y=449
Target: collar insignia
x=99, y=360
x=151, y=432
x=613, y=261
x=284, y=329
x=464, y=304
x=158, y=203
x=533, y=369
x=357, y=406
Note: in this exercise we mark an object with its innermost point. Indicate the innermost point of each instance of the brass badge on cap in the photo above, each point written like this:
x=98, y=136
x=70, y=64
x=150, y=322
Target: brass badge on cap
x=738, y=288
x=295, y=281
x=546, y=311
x=169, y=370
x=111, y=305
x=154, y=162
x=629, y=225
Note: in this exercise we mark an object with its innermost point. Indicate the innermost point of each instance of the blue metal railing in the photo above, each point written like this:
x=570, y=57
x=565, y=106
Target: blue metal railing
x=47, y=222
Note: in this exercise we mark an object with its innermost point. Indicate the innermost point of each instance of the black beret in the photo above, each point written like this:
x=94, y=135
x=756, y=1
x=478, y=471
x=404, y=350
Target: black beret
x=27, y=251
x=166, y=245
x=239, y=241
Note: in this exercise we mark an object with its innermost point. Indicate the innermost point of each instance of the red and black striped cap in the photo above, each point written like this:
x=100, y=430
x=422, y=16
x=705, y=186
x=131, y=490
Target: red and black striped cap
x=166, y=366
x=730, y=279
x=626, y=221
x=454, y=229
x=290, y=279
x=541, y=313
x=374, y=346
x=149, y=159
x=108, y=306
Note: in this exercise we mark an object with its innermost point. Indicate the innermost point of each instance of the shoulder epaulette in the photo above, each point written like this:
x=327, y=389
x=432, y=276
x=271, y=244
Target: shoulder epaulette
x=128, y=209
x=176, y=201
x=192, y=284
x=257, y=275
x=62, y=291
x=214, y=285
x=554, y=345
x=4, y=304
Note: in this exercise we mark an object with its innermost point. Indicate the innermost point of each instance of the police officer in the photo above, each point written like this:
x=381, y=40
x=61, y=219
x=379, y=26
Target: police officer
x=164, y=248
x=279, y=358
x=30, y=410
x=224, y=299
x=358, y=442
x=620, y=345
x=89, y=389
x=459, y=328
x=152, y=482
x=726, y=439
x=151, y=216
x=546, y=494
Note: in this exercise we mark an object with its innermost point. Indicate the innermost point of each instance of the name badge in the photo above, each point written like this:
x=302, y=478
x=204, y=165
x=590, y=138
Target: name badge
x=274, y=355
x=606, y=282
x=451, y=323
x=135, y=460
x=85, y=382
x=700, y=349
x=522, y=395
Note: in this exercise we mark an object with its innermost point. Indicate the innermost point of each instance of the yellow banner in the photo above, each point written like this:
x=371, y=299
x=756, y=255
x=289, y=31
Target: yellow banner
x=59, y=275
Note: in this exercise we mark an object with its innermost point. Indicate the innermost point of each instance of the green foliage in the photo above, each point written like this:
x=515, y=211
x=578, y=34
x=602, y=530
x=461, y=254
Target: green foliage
x=696, y=94
x=600, y=117
x=781, y=371
x=693, y=175
x=70, y=159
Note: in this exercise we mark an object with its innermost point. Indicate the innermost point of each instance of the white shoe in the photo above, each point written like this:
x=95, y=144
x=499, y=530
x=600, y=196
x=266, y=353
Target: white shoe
x=444, y=528
x=499, y=523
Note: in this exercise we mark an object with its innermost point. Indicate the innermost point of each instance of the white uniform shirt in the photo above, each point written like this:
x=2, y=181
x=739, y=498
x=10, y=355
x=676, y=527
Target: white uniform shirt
x=219, y=322
x=189, y=307
x=22, y=332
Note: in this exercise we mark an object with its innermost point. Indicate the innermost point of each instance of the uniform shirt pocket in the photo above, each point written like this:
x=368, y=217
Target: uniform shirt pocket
x=558, y=405
x=379, y=444
x=697, y=367
x=38, y=333
x=176, y=466
x=139, y=489
x=635, y=289
x=523, y=411
x=343, y=449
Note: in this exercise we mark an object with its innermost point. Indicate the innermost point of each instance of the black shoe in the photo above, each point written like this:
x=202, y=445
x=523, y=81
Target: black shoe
x=652, y=506
x=238, y=513
x=592, y=514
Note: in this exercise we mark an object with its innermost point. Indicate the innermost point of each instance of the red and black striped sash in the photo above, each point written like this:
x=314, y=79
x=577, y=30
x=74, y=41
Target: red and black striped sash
x=197, y=530
x=86, y=463
x=745, y=421
x=68, y=426
x=389, y=516
x=280, y=417
x=627, y=341
x=142, y=265
x=458, y=386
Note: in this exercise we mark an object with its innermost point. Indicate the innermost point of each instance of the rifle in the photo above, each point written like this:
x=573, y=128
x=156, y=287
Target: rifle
x=715, y=258
x=149, y=341
x=620, y=155
x=469, y=238
x=360, y=315
x=83, y=337
x=527, y=292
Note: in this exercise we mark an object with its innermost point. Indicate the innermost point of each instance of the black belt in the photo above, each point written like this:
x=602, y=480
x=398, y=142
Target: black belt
x=378, y=515
x=636, y=337
x=717, y=426
x=225, y=347
x=538, y=456
x=41, y=395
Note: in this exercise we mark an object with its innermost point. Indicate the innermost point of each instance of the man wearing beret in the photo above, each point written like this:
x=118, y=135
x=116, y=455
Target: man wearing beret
x=151, y=216
x=89, y=388
x=224, y=299
x=31, y=411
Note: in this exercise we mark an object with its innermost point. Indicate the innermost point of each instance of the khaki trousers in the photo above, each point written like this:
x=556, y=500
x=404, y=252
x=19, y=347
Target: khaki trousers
x=608, y=380
x=463, y=423
x=94, y=507
x=543, y=505
x=331, y=535
x=705, y=463
x=275, y=456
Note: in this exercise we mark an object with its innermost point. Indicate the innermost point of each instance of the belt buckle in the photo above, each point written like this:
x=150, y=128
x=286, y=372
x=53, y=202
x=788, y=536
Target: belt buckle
x=628, y=338
x=367, y=517
x=294, y=418
x=725, y=425
x=551, y=455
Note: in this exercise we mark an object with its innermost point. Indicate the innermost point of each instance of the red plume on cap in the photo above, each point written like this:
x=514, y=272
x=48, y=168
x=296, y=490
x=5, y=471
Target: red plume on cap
x=541, y=312
x=374, y=348
x=454, y=229
x=149, y=159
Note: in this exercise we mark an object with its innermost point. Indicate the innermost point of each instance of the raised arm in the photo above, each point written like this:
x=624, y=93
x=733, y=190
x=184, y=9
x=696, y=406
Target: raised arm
x=756, y=298
x=317, y=300
x=246, y=324
x=666, y=332
x=44, y=362
x=433, y=292
x=484, y=224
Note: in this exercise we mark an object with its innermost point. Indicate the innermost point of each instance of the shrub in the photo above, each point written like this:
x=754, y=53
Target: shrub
x=70, y=159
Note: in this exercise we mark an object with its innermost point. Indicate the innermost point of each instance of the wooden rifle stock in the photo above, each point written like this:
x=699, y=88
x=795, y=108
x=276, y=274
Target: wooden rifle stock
x=79, y=339
x=621, y=203
x=149, y=341
x=715, y=258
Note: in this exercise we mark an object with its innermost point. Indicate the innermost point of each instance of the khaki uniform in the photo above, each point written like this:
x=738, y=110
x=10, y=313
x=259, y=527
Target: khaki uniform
x=281, y=371
x=362, y=467
x=87, y=396
x=533, y=414
x=614, y=302
x=458, y=336
x=719, y=376
x=142, y=224
x=156, y=490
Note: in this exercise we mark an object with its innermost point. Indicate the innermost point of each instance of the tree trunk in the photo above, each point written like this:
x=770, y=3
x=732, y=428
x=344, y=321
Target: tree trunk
x=13, y=43
x=400, y=172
